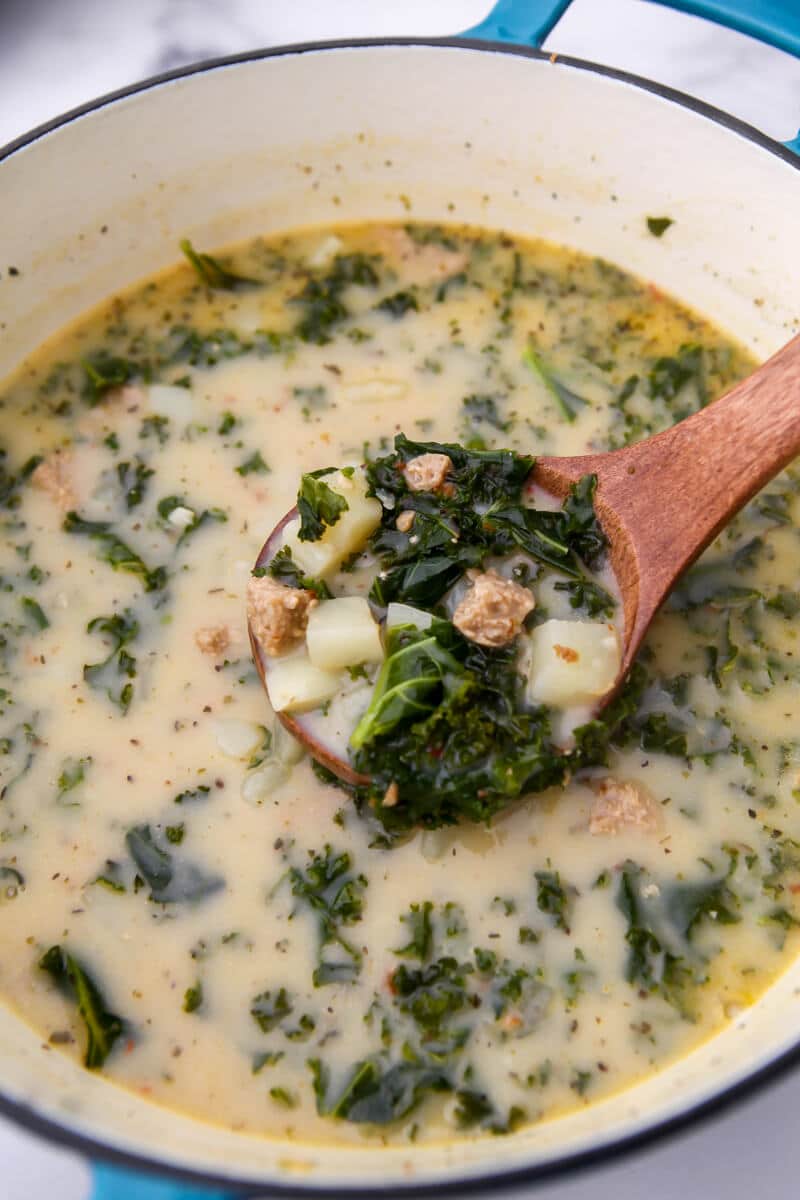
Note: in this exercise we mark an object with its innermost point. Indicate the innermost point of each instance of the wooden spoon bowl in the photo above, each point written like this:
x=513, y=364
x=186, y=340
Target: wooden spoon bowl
x=660, y=503
x=295, y=725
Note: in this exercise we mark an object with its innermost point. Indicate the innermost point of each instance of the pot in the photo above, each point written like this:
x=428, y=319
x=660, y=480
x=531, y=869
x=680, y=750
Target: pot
x=472, y=131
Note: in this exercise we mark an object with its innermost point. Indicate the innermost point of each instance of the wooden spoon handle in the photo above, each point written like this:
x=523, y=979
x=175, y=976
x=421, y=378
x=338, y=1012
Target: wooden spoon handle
x=663, y=500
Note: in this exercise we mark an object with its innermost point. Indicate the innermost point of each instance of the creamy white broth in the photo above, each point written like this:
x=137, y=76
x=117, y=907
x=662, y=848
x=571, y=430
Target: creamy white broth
x=79, y=773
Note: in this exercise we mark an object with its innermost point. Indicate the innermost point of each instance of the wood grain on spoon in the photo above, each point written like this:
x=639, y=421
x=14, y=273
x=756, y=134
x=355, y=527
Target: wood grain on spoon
x=662, y=501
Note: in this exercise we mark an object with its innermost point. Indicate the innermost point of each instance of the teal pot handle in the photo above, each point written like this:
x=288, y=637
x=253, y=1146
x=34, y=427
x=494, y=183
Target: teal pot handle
x=528, y=22
x=112, y=1183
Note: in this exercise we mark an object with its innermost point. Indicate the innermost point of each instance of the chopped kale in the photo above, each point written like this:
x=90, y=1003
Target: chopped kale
x=102, y=1026
x=418, y=919
x=553, y=898
x=169, y=504
x=660, y=732
x=321, y=298
x=448, y=727
x=254, y=465
x=663, y=920
x=10, y=484
x=283, y=568
x=567, y=401
x=399, y=304
x=115, y=552
x=104, y=372
x=72, y=774
x=155, y=426
x=671, y=373
x=319, y=506
x=417, y=674
x=268, y=1009
x=431, y=995
x=114, y=673
x=587, y=595
x=171, y=880
x=35, y=613
x=190, y=795
x=658, y=226
x=335, y=897
x=133, y=477
x=212, y=273
x=484, y=408
x=377, y=1091
x=193, y=998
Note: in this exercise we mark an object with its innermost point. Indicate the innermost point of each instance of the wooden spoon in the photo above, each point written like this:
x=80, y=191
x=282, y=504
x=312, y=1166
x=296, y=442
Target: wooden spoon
x=660, y=502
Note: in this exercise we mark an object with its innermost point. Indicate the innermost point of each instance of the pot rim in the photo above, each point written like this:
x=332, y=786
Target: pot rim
x=569, y=1164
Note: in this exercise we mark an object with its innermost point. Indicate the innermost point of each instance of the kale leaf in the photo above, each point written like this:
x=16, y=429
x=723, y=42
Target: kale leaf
x=398, y=304
x=553, y=898
x=269, y=1008
x=212, y=273
x=567, y=401
x=587, y=595
x=115, y=552
x=171, y=880
x=102, y=1026
x=662, y=921
x=283, y=568
x=319, y=506
x=418, y=919
x=418, y=673
x=378, y=1092
x=671, y=373
x=133, y=477
x=447, y=727
x=321, y=298
x=480, y=515
x=335, y=896
x=114, y=673
x=658, y=226
x=168, y=505
x=104, y=372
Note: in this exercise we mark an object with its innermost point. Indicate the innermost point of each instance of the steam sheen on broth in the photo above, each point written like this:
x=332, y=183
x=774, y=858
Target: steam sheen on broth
x=184, y=904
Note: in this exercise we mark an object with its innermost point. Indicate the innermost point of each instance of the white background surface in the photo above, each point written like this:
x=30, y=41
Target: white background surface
x=56, y=54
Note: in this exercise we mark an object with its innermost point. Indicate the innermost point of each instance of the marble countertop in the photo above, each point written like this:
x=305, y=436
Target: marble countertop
x=56, y=55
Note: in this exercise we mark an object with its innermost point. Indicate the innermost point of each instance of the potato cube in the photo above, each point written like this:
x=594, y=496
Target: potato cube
x=294, y=684
x=349, y=535
x=406, y=614
x=343, y=633
x=572, y=662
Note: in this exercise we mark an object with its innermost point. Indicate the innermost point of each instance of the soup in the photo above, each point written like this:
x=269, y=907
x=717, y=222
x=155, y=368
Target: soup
x=187, y=905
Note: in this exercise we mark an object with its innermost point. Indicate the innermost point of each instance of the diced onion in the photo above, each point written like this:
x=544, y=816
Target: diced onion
x=238, y=739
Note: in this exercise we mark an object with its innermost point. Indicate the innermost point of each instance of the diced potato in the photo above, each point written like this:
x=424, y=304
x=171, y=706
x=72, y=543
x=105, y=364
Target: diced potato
x=572, y=662
x=343, y=633
x=346, y=537
x=294, y=684
x=406, y=614
x=375, y=390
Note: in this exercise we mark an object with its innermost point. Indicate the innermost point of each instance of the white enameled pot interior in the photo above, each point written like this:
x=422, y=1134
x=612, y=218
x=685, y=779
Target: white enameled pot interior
x=392, y=132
